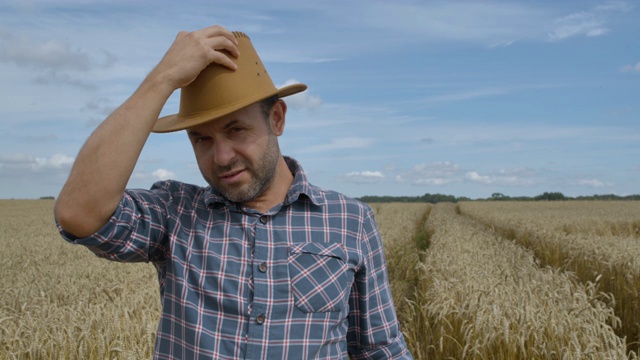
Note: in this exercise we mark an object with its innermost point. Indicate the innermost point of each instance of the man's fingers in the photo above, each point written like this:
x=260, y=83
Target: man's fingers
x=222, y=59
x=222, y=43
x=218, y=38
x=215, y=53
x=217, y=30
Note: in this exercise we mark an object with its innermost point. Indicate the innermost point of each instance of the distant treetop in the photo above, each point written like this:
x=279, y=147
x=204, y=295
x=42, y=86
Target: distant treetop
x=436, y=198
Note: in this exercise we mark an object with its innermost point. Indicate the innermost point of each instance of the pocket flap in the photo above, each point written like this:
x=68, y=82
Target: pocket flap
x=325, y=249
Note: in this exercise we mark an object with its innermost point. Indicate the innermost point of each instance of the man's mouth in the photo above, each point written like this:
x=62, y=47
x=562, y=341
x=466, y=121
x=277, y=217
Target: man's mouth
x=231, y=176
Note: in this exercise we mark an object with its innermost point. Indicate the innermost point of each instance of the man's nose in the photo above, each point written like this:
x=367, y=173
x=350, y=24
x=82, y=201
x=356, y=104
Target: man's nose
x=223, y=153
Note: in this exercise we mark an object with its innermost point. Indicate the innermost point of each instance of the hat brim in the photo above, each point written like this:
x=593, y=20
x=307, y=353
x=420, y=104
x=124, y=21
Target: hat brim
x=177, y=122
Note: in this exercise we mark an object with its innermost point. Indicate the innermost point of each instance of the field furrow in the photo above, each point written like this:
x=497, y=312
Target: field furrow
x=598, y=241
x=485, y=297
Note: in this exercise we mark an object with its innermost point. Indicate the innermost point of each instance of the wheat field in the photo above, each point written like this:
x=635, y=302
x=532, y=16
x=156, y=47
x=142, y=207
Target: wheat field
x=59, y=301
x=476, y=280
x=484, y=296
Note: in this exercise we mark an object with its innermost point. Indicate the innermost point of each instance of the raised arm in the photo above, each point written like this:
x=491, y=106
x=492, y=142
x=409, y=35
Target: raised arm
x=105, y=162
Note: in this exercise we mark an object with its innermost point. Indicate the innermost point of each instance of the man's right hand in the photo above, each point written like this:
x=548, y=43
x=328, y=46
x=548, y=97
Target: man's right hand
x=192, y=51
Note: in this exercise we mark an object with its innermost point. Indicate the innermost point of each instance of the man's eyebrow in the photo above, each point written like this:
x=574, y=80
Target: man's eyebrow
x=226, y=126
x=230, y=124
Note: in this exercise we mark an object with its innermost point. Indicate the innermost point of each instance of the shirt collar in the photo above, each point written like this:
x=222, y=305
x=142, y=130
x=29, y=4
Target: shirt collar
x=299, y=186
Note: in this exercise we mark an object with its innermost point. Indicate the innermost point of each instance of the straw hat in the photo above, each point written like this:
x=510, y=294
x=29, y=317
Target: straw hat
x=218, y=91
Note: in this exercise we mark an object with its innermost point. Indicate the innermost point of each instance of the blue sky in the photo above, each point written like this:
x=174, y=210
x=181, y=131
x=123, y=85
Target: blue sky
x=465, y=98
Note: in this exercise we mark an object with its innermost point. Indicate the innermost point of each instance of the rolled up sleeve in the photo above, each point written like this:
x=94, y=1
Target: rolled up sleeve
x=136, y=232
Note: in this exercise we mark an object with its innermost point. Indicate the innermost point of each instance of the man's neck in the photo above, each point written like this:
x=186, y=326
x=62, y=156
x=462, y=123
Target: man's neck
x=276, y=192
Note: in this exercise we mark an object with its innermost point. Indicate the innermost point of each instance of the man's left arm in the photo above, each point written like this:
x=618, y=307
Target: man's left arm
x=373, y=325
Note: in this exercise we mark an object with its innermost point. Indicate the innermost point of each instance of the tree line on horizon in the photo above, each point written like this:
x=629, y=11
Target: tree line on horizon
x=437, y=198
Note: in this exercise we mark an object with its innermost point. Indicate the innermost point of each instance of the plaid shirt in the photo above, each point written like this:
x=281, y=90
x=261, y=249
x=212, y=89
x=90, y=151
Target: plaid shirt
x=305, y=280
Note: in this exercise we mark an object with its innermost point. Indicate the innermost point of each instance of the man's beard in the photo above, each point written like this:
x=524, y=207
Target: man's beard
x=262, y=175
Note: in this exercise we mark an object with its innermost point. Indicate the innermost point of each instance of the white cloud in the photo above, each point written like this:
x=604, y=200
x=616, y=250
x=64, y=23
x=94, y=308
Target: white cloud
x=24, y=175
x=50, y=61
x=490, y=23
x=157, y=174
x=56, y=161
x=593, y=183
x=475, y=177
x=439, y=173
x=52, y=54
x=631, y=68
x=29, y=163
x=582, y=23
x=364, y=177
x=302, y=100
x=512, y=177
x=589, y=23
x=340, y=144
x=163, y=174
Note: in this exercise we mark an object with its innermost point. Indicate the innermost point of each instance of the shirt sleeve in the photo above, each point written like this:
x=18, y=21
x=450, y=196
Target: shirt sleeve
x=373, y=324
x=136, y=232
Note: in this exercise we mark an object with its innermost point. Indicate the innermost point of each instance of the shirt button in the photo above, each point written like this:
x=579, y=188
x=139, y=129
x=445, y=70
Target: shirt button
x=263, y=267
x=260, y=319
x=263, y=219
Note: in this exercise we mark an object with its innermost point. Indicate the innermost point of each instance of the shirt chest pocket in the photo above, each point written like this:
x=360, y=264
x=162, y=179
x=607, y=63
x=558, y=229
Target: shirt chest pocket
x=319, y=277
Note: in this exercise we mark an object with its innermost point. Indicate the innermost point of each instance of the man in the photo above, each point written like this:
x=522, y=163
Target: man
x=260, y=264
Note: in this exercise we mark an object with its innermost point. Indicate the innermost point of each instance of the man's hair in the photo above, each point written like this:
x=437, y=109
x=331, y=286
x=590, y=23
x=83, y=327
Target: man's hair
x=267, y=104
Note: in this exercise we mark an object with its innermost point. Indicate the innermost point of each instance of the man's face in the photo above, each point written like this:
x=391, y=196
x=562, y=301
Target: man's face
x=237, y=154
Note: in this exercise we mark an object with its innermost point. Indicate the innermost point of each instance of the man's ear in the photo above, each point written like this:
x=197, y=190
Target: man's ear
x=277, y=117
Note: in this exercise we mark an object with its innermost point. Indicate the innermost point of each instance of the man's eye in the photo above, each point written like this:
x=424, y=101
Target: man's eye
x=234, y=131
x=201, y=139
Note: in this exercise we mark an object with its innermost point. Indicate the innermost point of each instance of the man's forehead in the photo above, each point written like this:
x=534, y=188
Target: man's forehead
x=245, y=115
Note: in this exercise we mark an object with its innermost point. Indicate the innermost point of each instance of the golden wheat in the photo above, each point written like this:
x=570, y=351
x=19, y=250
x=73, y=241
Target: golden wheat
x=59, y=301
x=484, y=297
x=473, y=294
x=595, y=240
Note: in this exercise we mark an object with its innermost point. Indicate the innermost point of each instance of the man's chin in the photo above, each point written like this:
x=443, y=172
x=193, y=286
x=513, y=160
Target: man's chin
x=238, y=195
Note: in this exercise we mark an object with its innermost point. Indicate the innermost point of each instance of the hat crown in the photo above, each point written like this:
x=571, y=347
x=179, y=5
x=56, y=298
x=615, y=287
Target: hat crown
x=218, y=90
x=217, y=86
